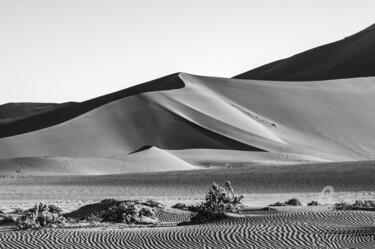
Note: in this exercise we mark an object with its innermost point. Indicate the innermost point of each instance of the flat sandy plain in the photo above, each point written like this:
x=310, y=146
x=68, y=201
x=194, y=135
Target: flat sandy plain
x=291, y=227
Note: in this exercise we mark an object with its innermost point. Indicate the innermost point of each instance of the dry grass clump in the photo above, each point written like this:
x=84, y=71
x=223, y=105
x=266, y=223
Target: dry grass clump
x=41, y=216
x=291, y=202
x=50, y=208
x=112, y=210
x=218, y=202
x=130, y=213
x=313, y=203
x=358, y=205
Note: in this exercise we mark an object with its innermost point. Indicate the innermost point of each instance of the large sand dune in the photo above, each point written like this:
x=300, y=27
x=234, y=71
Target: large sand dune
x=207, y=121
x=317, y=121
x=351, y=57
x=216, y=113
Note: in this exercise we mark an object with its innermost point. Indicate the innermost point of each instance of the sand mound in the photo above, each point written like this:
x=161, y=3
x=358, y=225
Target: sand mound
x=351, y=57
x=150, y=160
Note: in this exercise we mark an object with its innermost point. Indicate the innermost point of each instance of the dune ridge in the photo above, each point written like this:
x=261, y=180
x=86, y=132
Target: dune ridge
x=312, y=119
x=351, y=57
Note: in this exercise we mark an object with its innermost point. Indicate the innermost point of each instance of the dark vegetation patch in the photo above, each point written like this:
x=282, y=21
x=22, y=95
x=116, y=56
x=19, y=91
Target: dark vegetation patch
x=367, y=205
x=291, y=202
x=218, y=203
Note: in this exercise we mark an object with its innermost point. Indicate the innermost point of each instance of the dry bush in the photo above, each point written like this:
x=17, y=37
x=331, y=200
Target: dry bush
x=291, y=202
x=219, y=200
x=130, y=213
x=313, y=203
x=44, y=207
x=41, y=216
x=180, y=206
x=358, y=205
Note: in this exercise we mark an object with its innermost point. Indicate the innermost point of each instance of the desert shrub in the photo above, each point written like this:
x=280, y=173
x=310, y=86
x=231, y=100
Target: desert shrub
x=40, y=220
x=291, y=202
x=5, y=218
x=364, y=204
x=45, y=207
x=218, y=201
x=343, y=206
x=361, y=205
x=18, y=210
x=129, y=213
x=181, y=206
x=40, y=216
x=152, y=203
x=313, y=203
x=278, y=204
x=110, y=200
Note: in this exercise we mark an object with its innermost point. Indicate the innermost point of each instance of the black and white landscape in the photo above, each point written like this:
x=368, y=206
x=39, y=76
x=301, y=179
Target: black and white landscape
x=111, y=169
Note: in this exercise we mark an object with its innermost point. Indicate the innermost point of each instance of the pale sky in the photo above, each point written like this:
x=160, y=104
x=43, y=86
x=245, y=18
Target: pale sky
x=74, y=50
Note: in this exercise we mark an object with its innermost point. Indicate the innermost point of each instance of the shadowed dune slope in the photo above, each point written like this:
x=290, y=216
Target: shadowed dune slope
x=67, y=112
x=324, y=120
x=15, y=111
x=351, y=57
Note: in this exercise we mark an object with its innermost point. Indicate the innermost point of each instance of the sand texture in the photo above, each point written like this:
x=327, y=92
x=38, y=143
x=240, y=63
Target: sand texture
x=327, y=229
x=292, y=121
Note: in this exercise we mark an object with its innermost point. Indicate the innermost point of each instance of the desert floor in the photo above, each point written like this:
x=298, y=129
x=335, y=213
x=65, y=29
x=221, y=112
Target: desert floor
x=287, y=227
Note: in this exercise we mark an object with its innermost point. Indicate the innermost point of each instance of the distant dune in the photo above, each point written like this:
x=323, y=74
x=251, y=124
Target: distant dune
x=15, y=111
x=184, y=121
x=323, y=120
x=351, y=57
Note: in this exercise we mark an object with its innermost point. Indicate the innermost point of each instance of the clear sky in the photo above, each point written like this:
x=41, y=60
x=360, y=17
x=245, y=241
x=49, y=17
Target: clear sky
x=74, y=50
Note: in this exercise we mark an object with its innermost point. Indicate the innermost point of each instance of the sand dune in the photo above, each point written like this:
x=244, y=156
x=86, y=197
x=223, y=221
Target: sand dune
x=310, y=119
x=15, y=111
x=150, y=160
x=351, y=57
x=207, y=121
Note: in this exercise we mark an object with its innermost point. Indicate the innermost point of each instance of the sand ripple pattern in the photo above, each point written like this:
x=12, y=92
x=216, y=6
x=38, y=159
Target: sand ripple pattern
x=286, y=230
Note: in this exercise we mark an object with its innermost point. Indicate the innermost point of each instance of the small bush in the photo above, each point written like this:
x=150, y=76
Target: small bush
x=181, y=206
x=313, y=203
x=111, y=200
x=130, y=213
x=44, y=207
x=219, y=200
x=153, y=204
x=358, y=205
x=291, y=202
x=40, y=216
x=278, y=204
x=343, y=206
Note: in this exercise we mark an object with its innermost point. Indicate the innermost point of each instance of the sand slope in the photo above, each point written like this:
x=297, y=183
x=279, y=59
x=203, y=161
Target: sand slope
x=150, y=160
x=351, y=57
x=311, y=121
x=15, y=111
x=327, y=120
